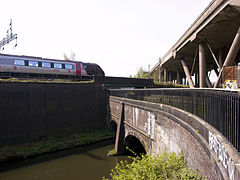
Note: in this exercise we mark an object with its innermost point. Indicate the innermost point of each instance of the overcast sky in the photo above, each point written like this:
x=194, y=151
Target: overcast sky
x=119, y=35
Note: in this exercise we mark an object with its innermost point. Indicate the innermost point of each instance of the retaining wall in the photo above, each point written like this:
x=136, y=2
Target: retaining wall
x=32, y=110
x=159, y=127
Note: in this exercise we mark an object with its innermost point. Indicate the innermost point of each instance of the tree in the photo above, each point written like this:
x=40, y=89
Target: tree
x=141, y=73
x=71, y=58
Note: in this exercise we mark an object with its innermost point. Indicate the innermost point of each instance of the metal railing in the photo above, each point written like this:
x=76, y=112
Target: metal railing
x=220, y=108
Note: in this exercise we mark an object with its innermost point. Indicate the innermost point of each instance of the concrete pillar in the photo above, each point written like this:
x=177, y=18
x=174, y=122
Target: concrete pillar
x=202, y=67
x=233, y=50
x=159, y=70
x=187, y=73
x=216, y=71
x=196, y=80
x=232, y=53
x=208, y=82
x=178, y=77
x=220, y=57
x=159, y=75
x=164, y=75
x=170, y=76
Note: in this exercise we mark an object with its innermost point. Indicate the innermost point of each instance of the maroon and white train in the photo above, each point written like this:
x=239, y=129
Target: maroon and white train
x=38, y=65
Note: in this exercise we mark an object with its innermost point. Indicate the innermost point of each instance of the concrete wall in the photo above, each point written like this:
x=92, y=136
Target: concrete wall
x=159, y=127
x=31, y=110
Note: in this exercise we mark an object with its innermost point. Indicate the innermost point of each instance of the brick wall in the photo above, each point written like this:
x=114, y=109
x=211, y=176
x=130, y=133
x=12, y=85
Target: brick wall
x=31, y=110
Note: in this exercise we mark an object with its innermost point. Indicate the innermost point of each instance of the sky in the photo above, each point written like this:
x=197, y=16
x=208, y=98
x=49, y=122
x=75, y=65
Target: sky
x=119, y=35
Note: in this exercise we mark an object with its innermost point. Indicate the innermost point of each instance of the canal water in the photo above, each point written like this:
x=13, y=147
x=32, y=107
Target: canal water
x=84, y=163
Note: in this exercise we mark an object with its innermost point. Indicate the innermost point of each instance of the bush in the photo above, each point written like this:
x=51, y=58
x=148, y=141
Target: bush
x=168, y=85
x=166, y=166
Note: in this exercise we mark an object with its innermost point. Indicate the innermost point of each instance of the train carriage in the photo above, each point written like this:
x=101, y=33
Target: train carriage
x=42, y=66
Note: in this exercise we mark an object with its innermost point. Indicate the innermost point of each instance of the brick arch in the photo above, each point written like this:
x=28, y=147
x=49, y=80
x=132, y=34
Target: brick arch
x=113, y=125
x=135, y=144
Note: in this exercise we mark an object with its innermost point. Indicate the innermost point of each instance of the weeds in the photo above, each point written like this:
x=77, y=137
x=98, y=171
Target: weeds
x=51, y=144
x=166, y=166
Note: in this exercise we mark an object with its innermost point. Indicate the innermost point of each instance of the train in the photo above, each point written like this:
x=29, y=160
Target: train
x=17, y=65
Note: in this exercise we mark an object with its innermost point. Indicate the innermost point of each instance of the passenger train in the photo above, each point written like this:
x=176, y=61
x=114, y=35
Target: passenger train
x=36, y=65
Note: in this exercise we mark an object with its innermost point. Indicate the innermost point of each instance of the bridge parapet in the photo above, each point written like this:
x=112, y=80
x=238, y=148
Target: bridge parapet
x=218, y=107
x=159, y=127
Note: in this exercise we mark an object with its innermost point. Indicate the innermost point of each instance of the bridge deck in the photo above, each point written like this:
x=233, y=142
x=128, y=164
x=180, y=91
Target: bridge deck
x=216, y=28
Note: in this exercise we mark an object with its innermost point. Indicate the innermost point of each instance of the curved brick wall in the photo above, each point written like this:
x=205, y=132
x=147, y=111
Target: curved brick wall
x=161, y=127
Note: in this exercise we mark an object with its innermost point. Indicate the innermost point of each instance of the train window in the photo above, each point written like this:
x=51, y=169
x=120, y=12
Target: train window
x=19, y=62
x=57, y=66
x=33, y=63
x=83, y=68
x=63, y=66
x=46, y=64
x=26, y=62
x=69, y=66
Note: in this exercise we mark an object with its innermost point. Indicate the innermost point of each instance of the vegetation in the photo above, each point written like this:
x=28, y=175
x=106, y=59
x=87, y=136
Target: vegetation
x=169, y=85
x=141, y=73
x=112, y=152
x=166, y=166
x=44, y=81
x=51, y=144
x=72, y=56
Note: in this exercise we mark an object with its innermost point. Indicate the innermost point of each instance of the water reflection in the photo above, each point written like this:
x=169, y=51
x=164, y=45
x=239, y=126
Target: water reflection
x=83, y=163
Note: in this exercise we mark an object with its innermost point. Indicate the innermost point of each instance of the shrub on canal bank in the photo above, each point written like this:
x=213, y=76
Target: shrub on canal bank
x=166, y=166
x=51, y=144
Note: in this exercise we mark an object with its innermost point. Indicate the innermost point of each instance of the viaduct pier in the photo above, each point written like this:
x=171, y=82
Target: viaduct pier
x=211, y=43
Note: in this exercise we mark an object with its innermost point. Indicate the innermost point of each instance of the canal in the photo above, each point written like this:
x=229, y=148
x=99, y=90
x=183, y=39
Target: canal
x=85, y=163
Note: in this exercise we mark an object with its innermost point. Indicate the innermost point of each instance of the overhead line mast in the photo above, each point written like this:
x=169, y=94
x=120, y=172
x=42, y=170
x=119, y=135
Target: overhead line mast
x=10, y=37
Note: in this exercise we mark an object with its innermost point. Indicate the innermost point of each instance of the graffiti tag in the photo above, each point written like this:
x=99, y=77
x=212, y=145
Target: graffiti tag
x=222, y=155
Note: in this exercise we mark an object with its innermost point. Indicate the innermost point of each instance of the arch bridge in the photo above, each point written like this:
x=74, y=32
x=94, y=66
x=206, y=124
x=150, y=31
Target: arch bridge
x=201, y=124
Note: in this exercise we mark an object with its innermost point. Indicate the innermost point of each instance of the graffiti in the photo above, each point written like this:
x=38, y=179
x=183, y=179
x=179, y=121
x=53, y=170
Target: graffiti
x=151, y=123
x=222, y=155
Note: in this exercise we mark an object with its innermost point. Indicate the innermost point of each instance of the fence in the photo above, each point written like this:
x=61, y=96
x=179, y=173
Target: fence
x=220, y=108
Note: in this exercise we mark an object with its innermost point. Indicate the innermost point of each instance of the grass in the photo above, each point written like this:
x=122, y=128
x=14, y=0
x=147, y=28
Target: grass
x=44, y=81
x=112, y=152
x=51, y=144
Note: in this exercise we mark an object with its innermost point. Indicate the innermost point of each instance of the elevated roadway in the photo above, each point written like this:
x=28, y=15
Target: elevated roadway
x=211, y=42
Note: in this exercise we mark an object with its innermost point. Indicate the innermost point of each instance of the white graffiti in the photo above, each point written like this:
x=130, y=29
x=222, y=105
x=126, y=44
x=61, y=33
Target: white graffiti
x=151, y=123
x=222, y=155
x=136, y=114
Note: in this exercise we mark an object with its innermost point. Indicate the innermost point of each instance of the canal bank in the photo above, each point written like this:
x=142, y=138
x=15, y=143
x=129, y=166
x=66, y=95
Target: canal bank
x=87, y=163
x=50, y=144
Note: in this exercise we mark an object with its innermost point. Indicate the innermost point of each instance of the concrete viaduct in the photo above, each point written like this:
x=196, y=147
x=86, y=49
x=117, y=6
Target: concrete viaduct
x=210, y=43
x=148, y=119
